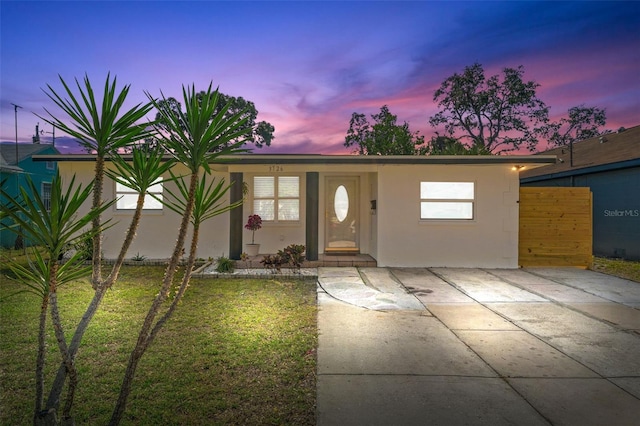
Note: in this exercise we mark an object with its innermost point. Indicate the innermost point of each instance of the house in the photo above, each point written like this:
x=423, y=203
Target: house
x=16, y=163
x=610, y=166
x=458, y=211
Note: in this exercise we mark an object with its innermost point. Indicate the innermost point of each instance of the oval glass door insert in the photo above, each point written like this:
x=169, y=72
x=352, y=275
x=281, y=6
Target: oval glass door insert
x=341, y=203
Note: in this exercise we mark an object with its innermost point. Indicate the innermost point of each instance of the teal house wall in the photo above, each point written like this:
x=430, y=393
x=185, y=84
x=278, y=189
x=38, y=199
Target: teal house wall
x=13, y=175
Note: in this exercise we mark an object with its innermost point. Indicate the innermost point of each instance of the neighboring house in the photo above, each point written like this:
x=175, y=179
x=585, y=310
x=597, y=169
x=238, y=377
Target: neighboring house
x=610, y=166
x=14, y=172
x=458, y=211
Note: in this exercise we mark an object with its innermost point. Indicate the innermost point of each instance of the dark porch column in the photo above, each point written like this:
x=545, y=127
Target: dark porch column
x=313, y=203
x=235, y=217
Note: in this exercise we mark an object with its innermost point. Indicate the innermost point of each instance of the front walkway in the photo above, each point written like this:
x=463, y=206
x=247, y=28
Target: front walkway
x=448, y=346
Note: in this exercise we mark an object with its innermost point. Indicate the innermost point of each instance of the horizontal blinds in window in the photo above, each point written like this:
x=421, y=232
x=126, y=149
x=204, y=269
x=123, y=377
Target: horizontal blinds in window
x=288, y=186
x=263, y=187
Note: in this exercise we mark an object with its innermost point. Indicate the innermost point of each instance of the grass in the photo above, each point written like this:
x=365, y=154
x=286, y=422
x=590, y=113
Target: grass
x=236, y=352
x=618, y=267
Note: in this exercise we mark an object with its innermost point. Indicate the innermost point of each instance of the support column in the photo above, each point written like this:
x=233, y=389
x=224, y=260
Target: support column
x=235, y=217
x=313, y=203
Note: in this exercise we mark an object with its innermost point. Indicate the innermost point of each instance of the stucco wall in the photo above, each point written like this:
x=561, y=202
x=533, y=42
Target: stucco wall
x=489, y=240
x=158, y=230
x=393, y=234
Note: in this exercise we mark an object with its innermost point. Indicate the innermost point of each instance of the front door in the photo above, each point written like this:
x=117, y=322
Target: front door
x=341, y=214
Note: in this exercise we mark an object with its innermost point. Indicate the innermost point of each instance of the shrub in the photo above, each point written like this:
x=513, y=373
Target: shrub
x=293, y=254
x=224, y=265
x=273, y=262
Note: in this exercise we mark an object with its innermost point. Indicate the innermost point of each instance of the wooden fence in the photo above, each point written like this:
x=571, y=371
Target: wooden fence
x=556, y=227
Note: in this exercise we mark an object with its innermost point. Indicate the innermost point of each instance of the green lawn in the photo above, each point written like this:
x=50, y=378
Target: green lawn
x=618, y=267
x=237, y=351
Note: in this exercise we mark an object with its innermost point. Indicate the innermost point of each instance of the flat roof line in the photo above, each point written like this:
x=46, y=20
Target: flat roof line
x=344, y=159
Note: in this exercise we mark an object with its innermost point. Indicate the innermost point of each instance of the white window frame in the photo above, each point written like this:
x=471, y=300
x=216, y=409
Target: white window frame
x=127, y=198
x=276, y=197
x=45, y=196
x=451, y=200
x=50, y=165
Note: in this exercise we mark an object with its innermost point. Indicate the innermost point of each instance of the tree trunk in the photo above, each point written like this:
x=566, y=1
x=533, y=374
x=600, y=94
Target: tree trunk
x=42, y=348
x=55, y=393
x=131, y=233
x=53, y=401
x=61, y=339
x=144, y=339
x=96, y=259
x=185, y=282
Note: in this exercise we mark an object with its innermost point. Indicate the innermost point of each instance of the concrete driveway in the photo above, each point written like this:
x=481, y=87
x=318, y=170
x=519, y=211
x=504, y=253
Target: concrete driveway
x=445, y=346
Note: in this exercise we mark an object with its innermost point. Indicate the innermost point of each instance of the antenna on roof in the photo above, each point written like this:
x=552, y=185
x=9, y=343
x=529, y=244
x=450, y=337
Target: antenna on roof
x=54, y=135
x=15, y=109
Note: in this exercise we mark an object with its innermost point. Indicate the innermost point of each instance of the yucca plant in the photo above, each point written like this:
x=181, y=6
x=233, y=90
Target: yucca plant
x=194, y=138
x=53, y=230
x=209, y=202
x=147, y=165
x=106, y=129
x=103, y=129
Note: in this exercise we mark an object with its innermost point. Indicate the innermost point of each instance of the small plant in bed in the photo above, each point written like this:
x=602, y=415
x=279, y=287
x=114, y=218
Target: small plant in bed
x=139, y=257
x=224, y=265
x=273, y=262
x=293, y=254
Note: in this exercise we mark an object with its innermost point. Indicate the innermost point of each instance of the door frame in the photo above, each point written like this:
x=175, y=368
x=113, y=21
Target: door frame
x=354, y=204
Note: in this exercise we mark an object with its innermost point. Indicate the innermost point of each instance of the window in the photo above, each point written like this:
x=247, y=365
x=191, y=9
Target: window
x=447, y=200
x=46, y=195
x=128, y=198
x=277, y=199
x=51, y=165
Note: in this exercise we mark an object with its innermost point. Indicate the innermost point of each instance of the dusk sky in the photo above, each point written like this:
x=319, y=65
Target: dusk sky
x=308, y=66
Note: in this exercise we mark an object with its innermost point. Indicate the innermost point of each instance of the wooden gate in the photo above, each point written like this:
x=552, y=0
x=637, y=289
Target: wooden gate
x=556, y=227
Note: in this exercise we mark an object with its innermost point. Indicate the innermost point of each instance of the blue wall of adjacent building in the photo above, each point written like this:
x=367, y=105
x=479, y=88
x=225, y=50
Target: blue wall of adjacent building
x=616, y=209
x=40, y=172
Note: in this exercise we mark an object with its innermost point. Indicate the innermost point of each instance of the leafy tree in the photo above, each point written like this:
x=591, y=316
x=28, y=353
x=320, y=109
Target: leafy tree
x=383, y=137
x=194, y=138
x=497, y=114
x=259, y=134
x=444, y=145
x=582, y=123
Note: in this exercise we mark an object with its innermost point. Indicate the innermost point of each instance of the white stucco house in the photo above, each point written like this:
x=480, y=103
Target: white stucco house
x=405, y=211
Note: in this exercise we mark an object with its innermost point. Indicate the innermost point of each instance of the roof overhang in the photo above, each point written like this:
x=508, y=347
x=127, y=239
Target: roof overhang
x=583, y=171
x=302, y=159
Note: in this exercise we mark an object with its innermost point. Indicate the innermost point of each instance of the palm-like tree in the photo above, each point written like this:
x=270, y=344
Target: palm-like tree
x=53, y=230
x=208, y=203
x=194, y=138
x=105, y=128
